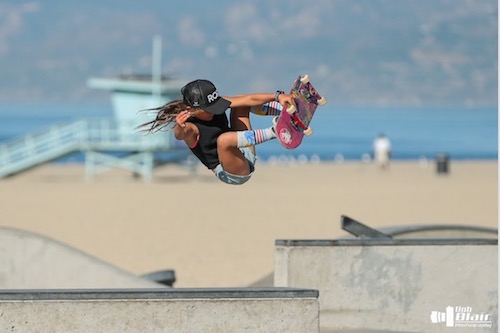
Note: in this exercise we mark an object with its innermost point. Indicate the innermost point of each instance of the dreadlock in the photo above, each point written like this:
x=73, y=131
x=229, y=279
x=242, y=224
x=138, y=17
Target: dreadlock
x=165, y=115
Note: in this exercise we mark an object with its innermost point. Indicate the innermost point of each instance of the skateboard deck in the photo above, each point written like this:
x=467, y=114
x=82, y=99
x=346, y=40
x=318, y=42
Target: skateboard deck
x=293, y=123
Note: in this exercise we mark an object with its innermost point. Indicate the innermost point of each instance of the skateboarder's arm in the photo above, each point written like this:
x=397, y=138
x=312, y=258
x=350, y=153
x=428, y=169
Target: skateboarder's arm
x=258, y=99
x=184, y=130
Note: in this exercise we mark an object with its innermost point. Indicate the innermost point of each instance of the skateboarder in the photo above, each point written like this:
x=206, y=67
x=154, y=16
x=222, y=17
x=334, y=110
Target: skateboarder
x=200, y=120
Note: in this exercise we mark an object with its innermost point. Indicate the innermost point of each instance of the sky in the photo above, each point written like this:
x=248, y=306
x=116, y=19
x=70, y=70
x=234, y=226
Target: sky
x=370, y=52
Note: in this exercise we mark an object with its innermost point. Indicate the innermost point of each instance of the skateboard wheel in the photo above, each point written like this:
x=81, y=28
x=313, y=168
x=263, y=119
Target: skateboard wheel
x=322, y=101
x=308, y=131
x=304, y=79
x=291, y=109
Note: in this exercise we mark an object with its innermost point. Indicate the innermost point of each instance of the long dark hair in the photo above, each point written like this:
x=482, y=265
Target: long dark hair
x=165, y=116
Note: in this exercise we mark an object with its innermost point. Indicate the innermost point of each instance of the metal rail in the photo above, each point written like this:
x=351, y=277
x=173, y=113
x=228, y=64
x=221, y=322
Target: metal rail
x=88, y=136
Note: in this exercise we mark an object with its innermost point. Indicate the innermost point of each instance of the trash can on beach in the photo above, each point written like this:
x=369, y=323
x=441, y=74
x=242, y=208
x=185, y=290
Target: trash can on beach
x=442, y=163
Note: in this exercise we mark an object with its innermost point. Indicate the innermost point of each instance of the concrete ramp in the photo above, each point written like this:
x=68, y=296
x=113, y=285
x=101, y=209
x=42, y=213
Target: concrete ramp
x=410, y=285
x=32, y=261
x=162, y=310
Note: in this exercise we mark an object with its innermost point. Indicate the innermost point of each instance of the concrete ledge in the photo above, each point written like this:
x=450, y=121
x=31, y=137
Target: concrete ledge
x=160, y=310
x=393, y=284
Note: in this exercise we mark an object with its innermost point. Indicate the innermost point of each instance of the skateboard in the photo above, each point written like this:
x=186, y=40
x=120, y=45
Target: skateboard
x=293, y=123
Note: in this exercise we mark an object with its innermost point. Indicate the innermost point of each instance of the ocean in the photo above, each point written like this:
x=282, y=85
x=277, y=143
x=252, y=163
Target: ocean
x=340, y=133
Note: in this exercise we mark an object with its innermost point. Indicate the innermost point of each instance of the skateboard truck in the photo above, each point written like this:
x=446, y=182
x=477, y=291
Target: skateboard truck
x=295, y=119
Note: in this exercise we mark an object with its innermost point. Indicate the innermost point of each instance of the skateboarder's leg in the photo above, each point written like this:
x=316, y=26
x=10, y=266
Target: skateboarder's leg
x=231, y=157
x=246, y=137
x=268, y=109
x=242, y=135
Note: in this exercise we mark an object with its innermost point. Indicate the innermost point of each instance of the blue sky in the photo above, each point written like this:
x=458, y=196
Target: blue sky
x=359, y=51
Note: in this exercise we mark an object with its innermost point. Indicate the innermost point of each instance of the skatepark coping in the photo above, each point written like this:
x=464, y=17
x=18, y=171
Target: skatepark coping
x=156, y=294
x=385, y=242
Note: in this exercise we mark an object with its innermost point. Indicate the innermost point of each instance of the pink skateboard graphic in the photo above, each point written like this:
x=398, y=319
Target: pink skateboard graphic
x=293, y=123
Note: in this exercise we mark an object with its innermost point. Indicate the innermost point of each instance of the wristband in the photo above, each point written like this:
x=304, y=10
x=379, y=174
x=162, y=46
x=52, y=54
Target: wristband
x=278, y=93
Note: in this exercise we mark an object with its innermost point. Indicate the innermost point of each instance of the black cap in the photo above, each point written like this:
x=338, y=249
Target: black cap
x=203, y=94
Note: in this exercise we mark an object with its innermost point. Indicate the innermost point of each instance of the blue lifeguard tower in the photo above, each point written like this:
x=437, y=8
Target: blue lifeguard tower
x=131, y=94
x=107, y=143
x=137, y=152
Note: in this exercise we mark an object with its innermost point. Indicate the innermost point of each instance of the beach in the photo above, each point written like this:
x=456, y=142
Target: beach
x=216, y=235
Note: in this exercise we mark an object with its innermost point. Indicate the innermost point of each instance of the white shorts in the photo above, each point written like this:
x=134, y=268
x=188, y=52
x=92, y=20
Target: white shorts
x=231, y=179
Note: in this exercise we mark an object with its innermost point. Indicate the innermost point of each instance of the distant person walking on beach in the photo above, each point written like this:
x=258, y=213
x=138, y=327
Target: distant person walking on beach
x=228, y=149
x=382, y=151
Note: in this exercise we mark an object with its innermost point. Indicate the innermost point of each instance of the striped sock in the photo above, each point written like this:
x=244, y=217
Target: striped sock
x=254, y=137
x=268, y=109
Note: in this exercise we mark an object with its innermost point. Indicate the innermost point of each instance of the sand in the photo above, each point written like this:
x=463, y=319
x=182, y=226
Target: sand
x=216, y=235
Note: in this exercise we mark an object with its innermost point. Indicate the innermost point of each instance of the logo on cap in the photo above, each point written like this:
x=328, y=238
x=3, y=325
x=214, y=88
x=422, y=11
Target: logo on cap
x=212, y=97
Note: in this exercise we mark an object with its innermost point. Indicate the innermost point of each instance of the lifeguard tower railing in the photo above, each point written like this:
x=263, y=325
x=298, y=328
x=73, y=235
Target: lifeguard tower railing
x=106, y=143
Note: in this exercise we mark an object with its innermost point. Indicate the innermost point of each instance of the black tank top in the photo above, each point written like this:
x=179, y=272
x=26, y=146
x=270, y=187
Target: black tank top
x=206, y=149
